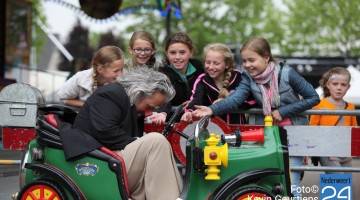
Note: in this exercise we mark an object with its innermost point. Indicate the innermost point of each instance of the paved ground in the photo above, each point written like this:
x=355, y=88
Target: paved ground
x=8, y=170
x=8, y=186
x=9, y=179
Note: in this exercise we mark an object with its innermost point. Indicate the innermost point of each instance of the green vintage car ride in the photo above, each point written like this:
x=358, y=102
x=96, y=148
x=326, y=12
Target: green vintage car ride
x=251, y=164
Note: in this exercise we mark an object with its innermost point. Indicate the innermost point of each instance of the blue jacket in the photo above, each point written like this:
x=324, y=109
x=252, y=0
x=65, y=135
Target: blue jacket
x=291, y=87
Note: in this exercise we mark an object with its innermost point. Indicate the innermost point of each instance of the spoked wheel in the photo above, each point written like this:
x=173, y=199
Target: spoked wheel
x=251, y=193
x=42, y=190
x=178, y=143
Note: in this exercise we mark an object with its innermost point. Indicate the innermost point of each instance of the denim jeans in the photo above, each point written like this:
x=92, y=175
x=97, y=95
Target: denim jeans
x=295, y=161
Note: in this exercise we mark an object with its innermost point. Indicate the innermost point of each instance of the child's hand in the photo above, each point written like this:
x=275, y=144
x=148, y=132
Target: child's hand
x=276, y=116
x=187, y=117
x=201, y=111
x=158, y=118
x=217, y=100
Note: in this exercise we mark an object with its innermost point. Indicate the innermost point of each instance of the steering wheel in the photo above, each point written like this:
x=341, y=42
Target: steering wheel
x=182, y=131
x=170, y=124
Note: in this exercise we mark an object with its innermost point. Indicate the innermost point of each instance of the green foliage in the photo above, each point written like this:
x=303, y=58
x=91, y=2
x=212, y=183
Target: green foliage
x=39, y=38
x=78, y=46
x=109, y=39
x=209, y=21
x=94, y=39
x=305, y=28
x=311, y=27
x=323, y=27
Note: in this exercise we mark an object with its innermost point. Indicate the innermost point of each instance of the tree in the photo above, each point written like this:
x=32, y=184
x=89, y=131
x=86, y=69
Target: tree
x=39, y=38
x=77, y=45
x=209, y=21
x=109, y=39
x=313, y=27
x=323, y=27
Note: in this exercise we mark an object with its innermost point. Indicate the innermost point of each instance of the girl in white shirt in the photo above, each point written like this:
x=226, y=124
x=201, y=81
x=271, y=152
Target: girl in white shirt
x=107, y=65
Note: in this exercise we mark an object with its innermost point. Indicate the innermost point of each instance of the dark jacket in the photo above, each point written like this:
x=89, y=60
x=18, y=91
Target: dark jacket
x=205, y=92
x=108, y=117
x=182, y=88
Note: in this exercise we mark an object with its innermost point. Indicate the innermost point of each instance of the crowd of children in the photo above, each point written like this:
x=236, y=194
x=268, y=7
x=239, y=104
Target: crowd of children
x=216, y=88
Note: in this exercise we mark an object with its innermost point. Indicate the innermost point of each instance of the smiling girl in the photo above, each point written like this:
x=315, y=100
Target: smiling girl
x=217, y=83
x=181, y=69
x=142, y=49
x=276, y=89
x=107, y=65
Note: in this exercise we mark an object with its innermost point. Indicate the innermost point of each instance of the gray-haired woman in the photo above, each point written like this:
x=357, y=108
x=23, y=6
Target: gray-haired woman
x=110, y=116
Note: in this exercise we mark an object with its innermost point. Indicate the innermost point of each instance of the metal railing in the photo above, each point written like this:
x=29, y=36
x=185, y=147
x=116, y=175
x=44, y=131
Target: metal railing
x=329, y=169
x=313, y=112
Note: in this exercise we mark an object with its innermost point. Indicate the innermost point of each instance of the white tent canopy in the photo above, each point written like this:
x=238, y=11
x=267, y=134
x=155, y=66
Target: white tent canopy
x=353, y=94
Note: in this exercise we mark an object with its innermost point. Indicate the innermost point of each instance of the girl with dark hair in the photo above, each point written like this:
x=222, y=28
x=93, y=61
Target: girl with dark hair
x=181, y=69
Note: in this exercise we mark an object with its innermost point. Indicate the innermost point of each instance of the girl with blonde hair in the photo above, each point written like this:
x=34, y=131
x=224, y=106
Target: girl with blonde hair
x=107, y=65
x=218, y=82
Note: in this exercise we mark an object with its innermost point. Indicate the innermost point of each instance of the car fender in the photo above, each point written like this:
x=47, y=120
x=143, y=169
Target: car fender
x=226, y=188
x=65, y=180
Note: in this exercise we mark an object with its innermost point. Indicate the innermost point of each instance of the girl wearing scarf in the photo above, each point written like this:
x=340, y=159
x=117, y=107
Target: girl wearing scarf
x=279, y=91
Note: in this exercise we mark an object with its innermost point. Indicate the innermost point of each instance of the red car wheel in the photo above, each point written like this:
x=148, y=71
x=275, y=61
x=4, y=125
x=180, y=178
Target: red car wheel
x=251, y=193
x=42, y=190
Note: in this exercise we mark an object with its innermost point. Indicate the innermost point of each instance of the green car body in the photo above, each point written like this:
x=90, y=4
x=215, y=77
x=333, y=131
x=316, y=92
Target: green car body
x=254, y=165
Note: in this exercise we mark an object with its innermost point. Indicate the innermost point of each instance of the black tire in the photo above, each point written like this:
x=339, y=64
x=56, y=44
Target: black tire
x=40, y=184
x=247, y=191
